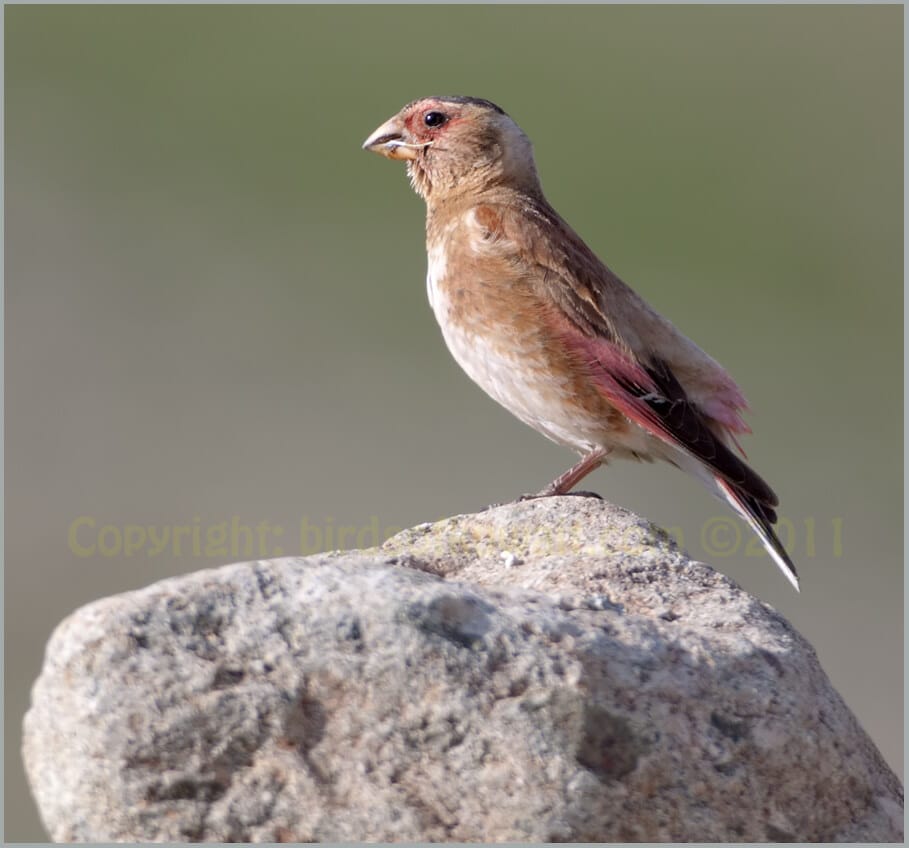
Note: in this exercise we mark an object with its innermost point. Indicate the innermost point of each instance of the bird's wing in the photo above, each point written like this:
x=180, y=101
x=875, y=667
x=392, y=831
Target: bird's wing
x=643, y=365
x=647, y=369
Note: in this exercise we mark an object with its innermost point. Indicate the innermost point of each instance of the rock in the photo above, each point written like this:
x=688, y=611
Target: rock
x=554, y=670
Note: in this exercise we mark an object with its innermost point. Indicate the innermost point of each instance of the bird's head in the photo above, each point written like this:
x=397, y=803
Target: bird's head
x=454, y=145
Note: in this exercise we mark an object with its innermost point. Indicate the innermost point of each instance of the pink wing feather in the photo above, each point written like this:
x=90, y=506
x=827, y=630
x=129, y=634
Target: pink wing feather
x=653, y=398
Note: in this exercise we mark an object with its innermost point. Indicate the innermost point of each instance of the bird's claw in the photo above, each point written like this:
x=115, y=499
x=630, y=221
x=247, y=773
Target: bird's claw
x=544, y=494
x=547, y=494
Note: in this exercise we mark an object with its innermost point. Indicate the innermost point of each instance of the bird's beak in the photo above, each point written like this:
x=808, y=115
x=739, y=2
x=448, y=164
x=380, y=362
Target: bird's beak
x=389, y=140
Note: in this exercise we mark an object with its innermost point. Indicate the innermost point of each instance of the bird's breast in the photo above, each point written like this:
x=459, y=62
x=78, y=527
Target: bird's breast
x=496, y=329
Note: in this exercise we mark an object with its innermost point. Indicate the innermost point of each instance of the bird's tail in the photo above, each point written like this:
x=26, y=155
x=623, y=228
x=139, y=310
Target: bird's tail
x=759, y=515
x=761, y=519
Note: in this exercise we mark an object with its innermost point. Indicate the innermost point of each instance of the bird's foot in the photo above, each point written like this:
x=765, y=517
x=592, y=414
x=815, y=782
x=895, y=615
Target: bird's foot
x=562, y=485
x=546, y=493
x=543, y=494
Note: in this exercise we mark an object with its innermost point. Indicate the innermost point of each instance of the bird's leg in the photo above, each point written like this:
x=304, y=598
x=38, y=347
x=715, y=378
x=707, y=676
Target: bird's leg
x=564, y=483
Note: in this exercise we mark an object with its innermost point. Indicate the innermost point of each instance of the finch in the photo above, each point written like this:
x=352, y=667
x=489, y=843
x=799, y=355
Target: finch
x=547, y=330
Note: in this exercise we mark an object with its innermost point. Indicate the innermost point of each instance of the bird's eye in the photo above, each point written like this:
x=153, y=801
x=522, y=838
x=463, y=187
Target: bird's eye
x=434, y=119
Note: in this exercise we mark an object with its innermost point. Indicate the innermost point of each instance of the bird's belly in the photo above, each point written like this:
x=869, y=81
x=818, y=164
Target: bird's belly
x=522, y=372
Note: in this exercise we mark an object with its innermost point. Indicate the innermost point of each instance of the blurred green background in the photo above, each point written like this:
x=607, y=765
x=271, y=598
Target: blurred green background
x=216, y=309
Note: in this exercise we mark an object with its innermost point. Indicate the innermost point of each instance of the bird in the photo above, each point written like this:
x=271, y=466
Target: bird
x=550, y=332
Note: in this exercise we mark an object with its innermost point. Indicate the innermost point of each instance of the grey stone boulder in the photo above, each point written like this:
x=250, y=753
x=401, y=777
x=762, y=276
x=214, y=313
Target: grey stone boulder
x=554, y=670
